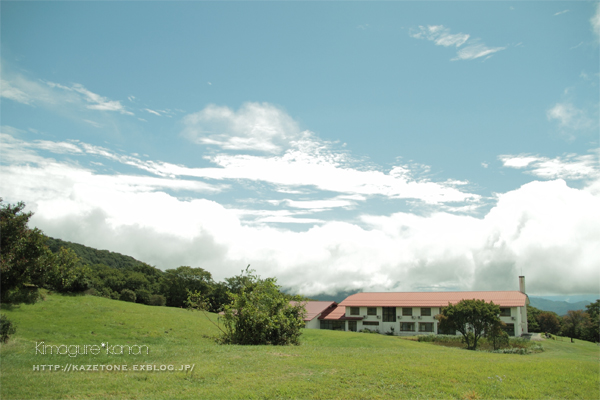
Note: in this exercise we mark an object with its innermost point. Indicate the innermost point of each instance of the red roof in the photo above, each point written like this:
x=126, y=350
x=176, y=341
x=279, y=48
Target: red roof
x=334, y=313
x=314, y=308
x=432, y=299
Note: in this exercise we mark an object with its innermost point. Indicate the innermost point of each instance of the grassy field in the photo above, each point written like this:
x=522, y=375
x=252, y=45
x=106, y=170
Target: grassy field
x=327, y=364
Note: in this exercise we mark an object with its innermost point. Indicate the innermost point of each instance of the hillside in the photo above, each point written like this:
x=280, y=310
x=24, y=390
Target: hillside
x=92, y=256
x=326, y=365
x=559, y=307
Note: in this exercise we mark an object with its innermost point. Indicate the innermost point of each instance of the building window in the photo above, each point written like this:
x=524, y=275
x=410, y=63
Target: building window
x=505, y=312
x=354, y=310
x=333, y=325
x=425, y=326
x=389, y=314
x=426, y=312
x=352, y=326
x=374, y=323
x=407, y=326
x=371, y=310
x=510, y=329
x=406, y=312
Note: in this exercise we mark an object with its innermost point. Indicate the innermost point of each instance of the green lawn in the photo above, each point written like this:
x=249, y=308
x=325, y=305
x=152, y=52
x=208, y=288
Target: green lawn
x=327, y=364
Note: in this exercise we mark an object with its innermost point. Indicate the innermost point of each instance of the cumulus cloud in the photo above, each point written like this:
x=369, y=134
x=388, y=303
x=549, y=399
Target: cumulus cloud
x=441, y=36
x=545, y=230
x=569, y=166
x=255, y=126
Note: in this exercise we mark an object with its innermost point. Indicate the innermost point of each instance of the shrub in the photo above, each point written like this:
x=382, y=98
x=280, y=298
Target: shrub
x=6, y=328
x=157, y=300
x=128, y=295
x=143, y=296
x=259, y=313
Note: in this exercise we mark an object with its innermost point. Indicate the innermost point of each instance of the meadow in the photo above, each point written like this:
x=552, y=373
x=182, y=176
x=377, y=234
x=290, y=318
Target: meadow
x=327, y=364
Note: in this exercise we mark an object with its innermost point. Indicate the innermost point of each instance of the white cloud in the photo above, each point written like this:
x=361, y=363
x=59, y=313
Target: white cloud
x=569, y=166
x=441, y=36
x=546, y=230
x=568, y=116
x=18, y=88
x=152, y=112
x=595, y=21
x=561, y=12
x=255, y=126
x=476, y=50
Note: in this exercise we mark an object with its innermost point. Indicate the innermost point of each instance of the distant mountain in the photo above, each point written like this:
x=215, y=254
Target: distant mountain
x=93, y=256
x=559, y=307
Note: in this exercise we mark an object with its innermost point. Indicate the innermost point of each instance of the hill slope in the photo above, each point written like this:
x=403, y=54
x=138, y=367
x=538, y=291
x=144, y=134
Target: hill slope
x=559, y=307
x=92, y=256
x=327, y=364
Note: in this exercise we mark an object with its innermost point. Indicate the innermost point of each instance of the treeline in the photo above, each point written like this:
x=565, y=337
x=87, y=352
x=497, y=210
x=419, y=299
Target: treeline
x=577, y=324
x=121, y=277
x=29, y=261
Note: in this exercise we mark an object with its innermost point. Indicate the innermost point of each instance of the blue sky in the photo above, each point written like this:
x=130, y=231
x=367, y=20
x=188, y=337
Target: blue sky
x=337, y=146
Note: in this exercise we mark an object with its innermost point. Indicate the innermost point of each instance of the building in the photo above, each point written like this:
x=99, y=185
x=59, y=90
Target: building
x=314, y=310
x=410, y=313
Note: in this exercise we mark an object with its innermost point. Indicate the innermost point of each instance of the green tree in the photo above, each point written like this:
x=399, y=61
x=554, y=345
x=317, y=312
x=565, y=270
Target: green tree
x=471, y=318
x=592, y=330
x=549, y=322
x=23, y=254
x=67, y=274
x=532, y=319
x=259, y=313
x=176, y=283
x=573, y=324
x=496, y=335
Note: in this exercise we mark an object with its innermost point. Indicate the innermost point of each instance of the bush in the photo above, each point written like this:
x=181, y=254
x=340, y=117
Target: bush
x=143, y=296
x=367, y=330
x=259, y=314
x=6, y=328
x=128, y=295
x=157, y=300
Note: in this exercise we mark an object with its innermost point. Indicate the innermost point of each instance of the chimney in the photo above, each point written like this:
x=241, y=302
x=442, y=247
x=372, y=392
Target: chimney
x=522, y=284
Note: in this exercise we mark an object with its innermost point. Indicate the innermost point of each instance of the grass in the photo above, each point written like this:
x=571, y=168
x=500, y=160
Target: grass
x=327, y=364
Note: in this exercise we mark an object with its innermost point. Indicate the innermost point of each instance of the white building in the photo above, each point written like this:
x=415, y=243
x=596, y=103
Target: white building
x=410, y=313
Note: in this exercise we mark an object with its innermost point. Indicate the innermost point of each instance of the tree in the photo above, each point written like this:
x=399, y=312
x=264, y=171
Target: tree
x=259, y=313
x=548, y=322
x=573, y=323
x=66, y=273
x=592, y=330
x=497, y=335
x=532, y=319
x=175, y=284
x=23, y=254
x=471, y=318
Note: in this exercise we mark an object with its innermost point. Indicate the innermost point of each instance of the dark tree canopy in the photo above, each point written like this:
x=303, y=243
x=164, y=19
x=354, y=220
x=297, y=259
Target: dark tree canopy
x=471, y=318
x=23, y=260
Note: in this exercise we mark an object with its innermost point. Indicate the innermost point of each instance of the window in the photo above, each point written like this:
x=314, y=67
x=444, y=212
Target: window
x=510, y=329
x=354, y=310
x=352, y=326
x=375, y=323
x=333, y=325
x=406, y=312
x=426, y=312
x=389, y=314
x=505, y=312
x=371, y=310
x=407, y=326
x=425, y=326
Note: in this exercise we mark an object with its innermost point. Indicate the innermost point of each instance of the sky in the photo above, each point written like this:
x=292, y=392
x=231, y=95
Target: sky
x=336, y=146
